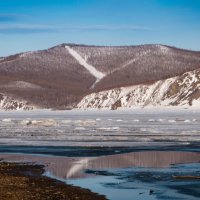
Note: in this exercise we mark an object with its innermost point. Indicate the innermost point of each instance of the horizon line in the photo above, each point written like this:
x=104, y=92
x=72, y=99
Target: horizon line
x=107, y=46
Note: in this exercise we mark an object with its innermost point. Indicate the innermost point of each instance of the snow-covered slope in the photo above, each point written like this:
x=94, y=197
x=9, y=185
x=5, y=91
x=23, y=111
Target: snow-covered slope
x=21, y=85
x=10, y=103
x=133, y=65
x=181, y=90
x=97, y=74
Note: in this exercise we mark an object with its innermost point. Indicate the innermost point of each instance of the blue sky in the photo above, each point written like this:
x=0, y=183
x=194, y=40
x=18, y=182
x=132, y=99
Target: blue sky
x=38, y=24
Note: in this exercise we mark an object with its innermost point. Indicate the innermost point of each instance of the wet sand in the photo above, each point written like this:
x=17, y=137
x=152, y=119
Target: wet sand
x=25, y=181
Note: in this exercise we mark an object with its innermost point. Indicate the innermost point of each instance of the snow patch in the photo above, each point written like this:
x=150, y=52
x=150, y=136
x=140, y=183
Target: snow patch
x=97, y=74
x=187, y=121
x=26, y=122
x=21, y=85
x=119, y=120
x=128, y=97
x=24, y=55
x=171, y=121
x=161, y=120
x=47, y=122
x=196, y=103
x=66, y=121
x=151, y=120
x=8, y=120
x=11, y=103
x=163, y=49
x=79, y=128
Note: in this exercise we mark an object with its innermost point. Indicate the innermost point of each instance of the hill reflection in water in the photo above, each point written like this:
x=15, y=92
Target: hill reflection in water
x=68, y=168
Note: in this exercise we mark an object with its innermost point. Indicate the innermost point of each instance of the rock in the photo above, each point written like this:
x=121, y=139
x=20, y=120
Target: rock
x=151, y=192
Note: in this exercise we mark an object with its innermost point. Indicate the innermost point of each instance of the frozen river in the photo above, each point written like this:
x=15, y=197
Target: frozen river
x=135, y=154
x=100, y=128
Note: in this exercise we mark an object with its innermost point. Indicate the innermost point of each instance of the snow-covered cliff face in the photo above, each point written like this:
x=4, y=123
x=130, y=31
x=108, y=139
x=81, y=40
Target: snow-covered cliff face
x=10, y=103
x=182, y=90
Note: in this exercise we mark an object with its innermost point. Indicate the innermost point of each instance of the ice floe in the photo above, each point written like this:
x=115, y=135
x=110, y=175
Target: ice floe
x=172, y=121
x=8, y=120
x=187, y=121
x=46, y=122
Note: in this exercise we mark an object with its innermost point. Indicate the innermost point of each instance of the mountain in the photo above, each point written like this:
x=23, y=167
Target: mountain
x=69, y=75
x=181, y=90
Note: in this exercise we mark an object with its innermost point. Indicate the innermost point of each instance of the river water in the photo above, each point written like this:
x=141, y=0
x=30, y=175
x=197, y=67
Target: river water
x=136, y=154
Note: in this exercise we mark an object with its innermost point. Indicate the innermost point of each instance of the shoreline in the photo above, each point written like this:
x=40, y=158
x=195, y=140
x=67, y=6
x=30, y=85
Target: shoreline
x=93, y=151
x=108, y=110
x=27, y=181
x=142, y=171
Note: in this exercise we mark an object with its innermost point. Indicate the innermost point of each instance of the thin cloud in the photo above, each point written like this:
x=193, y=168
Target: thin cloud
x=25, y=29
x=39, y=28
x=10, y=17
x=108, y=28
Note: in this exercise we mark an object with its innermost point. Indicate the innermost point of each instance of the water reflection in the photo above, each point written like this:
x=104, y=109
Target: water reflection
x=70, y=168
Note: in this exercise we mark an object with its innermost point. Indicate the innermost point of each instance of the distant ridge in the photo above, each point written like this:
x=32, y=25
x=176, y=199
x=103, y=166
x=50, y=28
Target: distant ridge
x=62, y=76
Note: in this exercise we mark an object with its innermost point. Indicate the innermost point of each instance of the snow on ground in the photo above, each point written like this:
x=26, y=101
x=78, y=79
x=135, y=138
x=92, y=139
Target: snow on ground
x=163, y=49
x=97, y=74
x=181, y=91
x=196, y=104
x=21, y=85
x=23, y=55
x=129, y=97
x=10, y=103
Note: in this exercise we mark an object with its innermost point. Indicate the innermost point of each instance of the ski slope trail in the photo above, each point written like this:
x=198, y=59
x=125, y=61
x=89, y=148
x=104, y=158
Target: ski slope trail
x=97, y=74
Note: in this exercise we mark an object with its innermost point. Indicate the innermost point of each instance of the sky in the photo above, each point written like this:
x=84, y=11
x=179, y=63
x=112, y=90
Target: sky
x=27, y=25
